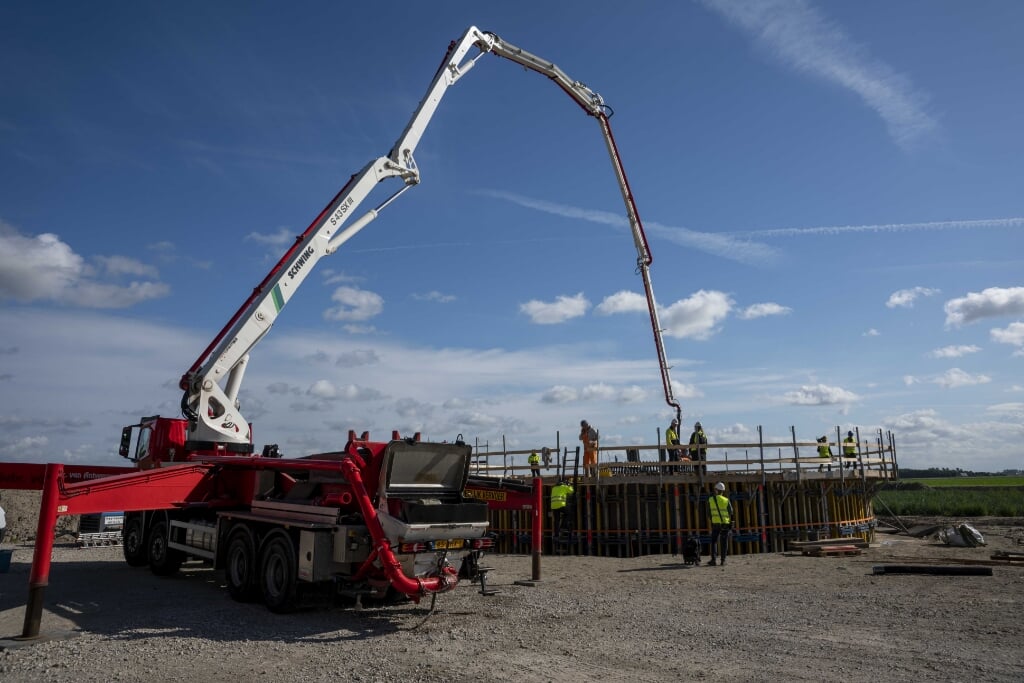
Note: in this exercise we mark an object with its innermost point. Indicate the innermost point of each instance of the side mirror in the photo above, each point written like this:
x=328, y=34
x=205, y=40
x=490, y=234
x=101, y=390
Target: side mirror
x=126, y=442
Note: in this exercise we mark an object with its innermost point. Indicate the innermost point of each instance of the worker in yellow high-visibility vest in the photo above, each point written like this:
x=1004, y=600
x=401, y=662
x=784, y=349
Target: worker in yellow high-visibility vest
x=721, y=518
x=560, y=493
x=850, y=448
x=534, y=461
x=824, y=451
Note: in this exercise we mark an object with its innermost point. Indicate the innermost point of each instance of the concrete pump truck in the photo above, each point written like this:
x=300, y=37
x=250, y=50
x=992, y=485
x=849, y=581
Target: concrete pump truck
x=373, y=518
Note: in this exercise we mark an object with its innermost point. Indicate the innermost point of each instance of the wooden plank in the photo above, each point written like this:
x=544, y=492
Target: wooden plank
x=833, y=550
x=1008, y=557
x=858, y=542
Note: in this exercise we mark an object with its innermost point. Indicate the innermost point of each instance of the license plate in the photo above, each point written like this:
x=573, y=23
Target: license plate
x=453, y=544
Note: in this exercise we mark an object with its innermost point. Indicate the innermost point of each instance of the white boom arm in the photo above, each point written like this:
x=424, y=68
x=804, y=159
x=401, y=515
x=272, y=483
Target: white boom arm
x=211, y=385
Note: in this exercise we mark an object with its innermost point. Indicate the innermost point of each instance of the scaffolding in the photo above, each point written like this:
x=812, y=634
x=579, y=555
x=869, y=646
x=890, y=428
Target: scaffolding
x=642, y=503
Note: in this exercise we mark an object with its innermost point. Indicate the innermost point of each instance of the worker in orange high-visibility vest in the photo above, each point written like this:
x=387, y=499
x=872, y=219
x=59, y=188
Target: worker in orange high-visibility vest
x=588, y=435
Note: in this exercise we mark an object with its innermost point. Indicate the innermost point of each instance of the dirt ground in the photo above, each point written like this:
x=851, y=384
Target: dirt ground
x=760, y=618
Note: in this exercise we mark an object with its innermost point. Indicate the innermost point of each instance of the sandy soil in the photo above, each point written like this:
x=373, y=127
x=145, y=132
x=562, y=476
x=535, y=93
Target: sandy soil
x=768, y=617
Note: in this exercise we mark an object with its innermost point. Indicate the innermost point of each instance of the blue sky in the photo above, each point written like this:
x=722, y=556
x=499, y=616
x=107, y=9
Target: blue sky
x=832, y=193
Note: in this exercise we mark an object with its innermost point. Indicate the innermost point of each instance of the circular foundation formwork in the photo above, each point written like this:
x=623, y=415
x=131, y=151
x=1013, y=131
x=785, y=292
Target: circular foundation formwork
x=645, y=506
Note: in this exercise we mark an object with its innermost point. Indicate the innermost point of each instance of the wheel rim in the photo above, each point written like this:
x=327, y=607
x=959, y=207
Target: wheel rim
x=240, y=564
x=276, y=577
x=133, y=539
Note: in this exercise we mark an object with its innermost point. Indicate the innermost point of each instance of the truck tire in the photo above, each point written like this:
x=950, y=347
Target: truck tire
x=163, y=561
x=133, y=541
x=278, y=564
x=240, y=567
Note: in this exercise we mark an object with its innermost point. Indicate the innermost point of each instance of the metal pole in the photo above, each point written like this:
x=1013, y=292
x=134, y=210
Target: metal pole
x=39, y=576
x=538, y=507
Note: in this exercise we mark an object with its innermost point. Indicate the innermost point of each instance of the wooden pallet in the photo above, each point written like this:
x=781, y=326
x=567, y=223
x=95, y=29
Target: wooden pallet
x=831, y=551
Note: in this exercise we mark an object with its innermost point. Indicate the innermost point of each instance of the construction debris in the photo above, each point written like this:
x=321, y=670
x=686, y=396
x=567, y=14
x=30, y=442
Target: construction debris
x=961, y=536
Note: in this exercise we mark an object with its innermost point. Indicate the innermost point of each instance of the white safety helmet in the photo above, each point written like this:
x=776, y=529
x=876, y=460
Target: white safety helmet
x=719, y=486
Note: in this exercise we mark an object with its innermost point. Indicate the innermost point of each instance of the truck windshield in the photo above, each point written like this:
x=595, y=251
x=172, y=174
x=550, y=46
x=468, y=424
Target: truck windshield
x=422, y=467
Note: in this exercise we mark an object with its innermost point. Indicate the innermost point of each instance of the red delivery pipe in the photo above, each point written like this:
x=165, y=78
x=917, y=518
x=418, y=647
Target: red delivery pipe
x=413, y=587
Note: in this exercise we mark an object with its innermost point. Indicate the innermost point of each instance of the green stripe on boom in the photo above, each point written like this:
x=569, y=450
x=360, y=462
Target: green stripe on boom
x=278, y=299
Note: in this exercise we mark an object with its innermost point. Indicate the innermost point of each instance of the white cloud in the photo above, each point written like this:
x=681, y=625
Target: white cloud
x=24, y=445
x=989, y=303
x=954, y=351
x=905, y=297
x=763, y=310
x=559, y=394
x=1011, y=334
x=696, y=316
x=872, y=332
x=282, y=388
x=820, y=395
x=357, y=357
x=632, y=394
x=561, y=309
x=280, y=238
x=359, y=329
x=910, y=380
x=411, y=408
x=435, y=295
x=622, y=302
x=955, y=377
x=1014, y=410
x=322, y=389
x=354, y=392
x=122, y=265
x=354, y=304
x=801, y=37
x=43, y=268
x=600, y=391
x=681, y=390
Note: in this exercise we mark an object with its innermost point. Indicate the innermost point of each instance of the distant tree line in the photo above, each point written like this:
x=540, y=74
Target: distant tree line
x=936, y=472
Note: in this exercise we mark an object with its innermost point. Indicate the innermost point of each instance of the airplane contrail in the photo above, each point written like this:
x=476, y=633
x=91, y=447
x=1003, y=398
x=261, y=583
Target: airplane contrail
x=981, y=224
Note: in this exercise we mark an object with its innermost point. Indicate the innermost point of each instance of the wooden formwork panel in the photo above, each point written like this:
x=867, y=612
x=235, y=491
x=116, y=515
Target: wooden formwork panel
x=623, y=518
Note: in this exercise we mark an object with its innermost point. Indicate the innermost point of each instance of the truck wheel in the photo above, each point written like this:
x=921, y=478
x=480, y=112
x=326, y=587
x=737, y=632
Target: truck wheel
x=133, y=542
x=163, y=561
x=240, y=565
x=277, y=573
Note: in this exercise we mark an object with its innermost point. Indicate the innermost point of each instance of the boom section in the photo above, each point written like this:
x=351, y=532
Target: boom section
x=211, y=384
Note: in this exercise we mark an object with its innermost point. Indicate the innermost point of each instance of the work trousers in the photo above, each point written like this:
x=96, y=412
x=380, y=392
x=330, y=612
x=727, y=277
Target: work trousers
x=720, y=540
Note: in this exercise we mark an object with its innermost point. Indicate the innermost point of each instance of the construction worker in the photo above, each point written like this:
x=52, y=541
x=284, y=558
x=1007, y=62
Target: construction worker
x=560, y=493
x=824, y=451
x=698, y=439
x=850, y=448
x=545, y=453
x=721, y=518
x=588, y=435
x=672, y=440
x=534, y=461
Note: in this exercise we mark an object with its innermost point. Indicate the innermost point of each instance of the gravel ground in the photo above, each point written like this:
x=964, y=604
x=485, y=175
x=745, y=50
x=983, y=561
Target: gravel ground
x=760, y=618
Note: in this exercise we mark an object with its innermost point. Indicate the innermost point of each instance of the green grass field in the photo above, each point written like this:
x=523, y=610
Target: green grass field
x=961, y=482
x=956, y=497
